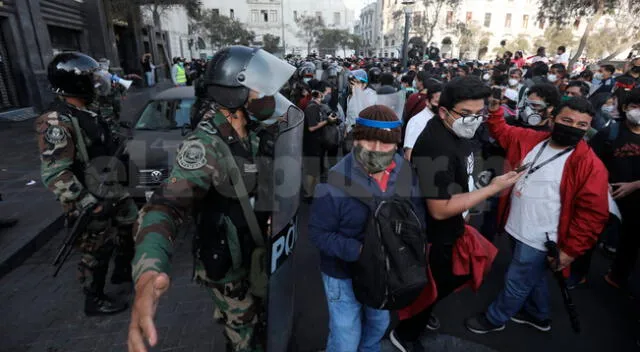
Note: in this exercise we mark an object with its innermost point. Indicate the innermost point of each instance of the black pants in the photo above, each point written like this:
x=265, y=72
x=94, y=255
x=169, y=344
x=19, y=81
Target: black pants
x=627, y=252
x=440, y=262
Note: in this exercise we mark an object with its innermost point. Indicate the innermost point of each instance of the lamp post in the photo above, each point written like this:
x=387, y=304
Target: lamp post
x=284, y=46
x=408, y=10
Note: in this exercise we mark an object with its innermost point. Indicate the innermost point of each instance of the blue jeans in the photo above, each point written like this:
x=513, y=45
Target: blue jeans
x=352, y=326
x=525, y=286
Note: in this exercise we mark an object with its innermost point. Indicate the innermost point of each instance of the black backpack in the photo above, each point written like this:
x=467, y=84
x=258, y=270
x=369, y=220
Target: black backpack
x=392, y=269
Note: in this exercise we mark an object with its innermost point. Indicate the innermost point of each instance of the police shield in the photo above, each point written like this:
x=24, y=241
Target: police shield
x=394, y=101
x=319, y=75
x=286, y=182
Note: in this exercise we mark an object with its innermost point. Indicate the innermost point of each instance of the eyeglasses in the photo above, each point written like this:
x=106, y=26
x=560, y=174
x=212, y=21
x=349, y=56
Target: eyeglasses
x=471, y=118
x=536, y=105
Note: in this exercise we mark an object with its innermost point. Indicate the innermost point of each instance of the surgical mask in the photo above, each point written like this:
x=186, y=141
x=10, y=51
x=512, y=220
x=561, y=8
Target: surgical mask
x=486, y=76
x=565, y=98
x=465, y=130
x=513, y=82
x=552, y=78
x=306, y=80
x=373, y=161
x=262, y=108
x=530, y=116
x=599, y=76
x=633, y=116
x=608, y=109
x=567, y=136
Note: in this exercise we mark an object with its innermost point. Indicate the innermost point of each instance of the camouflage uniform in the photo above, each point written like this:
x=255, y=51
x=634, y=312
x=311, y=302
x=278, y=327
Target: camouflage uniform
x=65, y=158
x=109, y=107
x=199, y=183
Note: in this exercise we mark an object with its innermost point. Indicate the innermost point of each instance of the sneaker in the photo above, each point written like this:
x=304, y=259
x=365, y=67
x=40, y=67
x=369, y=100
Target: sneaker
x=434, y=323
x=527, y=319
x=399, y=344
x=609, y=279
x=479, y=324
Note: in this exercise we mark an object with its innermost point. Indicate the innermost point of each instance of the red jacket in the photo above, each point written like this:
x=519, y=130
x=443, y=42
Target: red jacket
x=583, y=189
x=416, y=103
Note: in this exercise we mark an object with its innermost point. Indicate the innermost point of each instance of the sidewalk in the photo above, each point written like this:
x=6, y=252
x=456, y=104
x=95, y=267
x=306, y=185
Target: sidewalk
x=25, y=198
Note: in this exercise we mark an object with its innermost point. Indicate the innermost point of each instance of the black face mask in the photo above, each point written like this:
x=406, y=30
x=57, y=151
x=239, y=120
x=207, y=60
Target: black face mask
x=567, y=136
x=635, y=69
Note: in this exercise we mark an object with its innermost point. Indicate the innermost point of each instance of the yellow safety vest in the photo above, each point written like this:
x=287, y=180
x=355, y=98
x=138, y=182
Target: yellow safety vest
x=181, y=76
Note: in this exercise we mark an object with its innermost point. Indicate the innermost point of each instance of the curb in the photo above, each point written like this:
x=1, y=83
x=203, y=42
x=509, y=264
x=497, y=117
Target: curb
x=37, y=242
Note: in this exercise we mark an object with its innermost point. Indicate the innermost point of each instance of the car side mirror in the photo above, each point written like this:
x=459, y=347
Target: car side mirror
x=126, y=124
x=185, y=129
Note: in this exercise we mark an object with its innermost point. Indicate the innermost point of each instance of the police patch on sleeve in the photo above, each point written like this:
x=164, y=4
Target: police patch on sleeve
x=192, y=155
x=55, y=135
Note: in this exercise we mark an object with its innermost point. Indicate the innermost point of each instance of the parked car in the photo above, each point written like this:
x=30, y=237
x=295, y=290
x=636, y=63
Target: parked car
x=156, y=135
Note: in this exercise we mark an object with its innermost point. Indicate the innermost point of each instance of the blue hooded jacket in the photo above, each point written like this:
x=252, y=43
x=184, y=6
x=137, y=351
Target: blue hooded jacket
x=338, y=221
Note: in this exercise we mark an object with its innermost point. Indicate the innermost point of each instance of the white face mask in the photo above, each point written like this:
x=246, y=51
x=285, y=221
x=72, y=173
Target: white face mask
x=633, y=115
x=465, y=130
x=513, y=82
x=599, y=76
x=486, y=76
x=608, y=109
x=552, y=78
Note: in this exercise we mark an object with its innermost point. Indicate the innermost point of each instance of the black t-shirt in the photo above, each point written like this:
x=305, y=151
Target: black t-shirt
x=622, y=158
x=313, y=115
x=444, y=163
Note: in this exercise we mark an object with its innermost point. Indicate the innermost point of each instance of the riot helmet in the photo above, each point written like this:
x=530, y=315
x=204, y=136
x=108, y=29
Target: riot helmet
x=234, y=71
x=74, y=74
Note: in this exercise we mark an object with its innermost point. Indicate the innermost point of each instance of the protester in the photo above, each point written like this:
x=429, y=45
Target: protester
x=336, y=224
x=622, y=158
x=576, y=89
x=605, y=79
x=416, y=125
x=540, y=56
x=417, y=101
x=563, y=56
x=387, y=84
x=537, y=106
x=449, y=194
x=562, y=198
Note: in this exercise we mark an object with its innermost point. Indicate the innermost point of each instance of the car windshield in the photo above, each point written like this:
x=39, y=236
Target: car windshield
x=165, y=115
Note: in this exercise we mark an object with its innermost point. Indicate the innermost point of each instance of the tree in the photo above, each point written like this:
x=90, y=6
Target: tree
x=562, y=12
x=224, y=31
x=356, y=43
x=554, y=37
x=471, y=37
x=271, y=43
x=310, y=30
x=520, y=43
x=425, y=23
x=121, y=8
x=332, y=39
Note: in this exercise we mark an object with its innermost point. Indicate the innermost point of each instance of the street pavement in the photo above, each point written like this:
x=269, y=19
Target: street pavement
x=44, y=314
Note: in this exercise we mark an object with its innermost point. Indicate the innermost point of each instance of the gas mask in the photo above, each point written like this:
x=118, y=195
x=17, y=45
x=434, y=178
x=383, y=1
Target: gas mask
x=531, y=116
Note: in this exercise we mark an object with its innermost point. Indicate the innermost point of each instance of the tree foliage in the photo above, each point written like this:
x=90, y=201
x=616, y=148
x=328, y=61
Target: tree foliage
x=271, y=43
x=120, y=9
x=471, y=39
x=310, y=28
x=223, y=31
x=563, y=12
x=521, y=42
x=554, y=37
x=425, y=23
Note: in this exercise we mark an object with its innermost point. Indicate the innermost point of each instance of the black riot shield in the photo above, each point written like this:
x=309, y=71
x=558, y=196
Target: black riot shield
x=287, y=181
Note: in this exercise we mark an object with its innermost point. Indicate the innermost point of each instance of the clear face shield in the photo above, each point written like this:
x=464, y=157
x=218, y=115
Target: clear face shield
x=102, y=83
x=282, y=107
x=104, y=64
x=265, y=73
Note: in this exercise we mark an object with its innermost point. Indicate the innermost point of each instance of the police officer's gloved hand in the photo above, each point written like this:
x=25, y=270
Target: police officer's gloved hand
x=102, y=210
x=267, y=142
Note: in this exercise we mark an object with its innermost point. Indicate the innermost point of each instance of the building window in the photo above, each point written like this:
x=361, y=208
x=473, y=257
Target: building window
x=487, y=19
x=469, y=17
x=525, y=21
x=507, y=21
x=295, y=15
x=274, y=15
x=216, y=11
x=264, y=14
x=393, y=42
x=319, y=15
x=232, y=14
x=393, y=55
x=449, y=18
x=63, y=39
x=541, y=24
x=336, y=19
x=386, y=42
x=255, y=16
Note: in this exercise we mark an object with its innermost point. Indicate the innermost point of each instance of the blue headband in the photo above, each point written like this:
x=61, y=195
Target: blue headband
x=378, y=124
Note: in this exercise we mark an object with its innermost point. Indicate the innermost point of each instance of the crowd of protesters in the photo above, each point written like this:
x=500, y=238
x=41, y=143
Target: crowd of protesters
x=520, y=146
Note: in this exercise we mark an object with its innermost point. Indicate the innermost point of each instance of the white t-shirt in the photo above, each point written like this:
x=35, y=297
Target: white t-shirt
x=562, y=59
x=535, y=201
x=415, y=127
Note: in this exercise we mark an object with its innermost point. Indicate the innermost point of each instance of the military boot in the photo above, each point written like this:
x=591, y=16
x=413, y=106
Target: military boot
x=100, y=304
x=121, y=274
x=124, y=253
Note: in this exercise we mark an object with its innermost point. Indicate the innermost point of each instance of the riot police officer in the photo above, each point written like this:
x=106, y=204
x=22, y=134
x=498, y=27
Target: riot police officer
x=237, y=90
x=75, y=147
